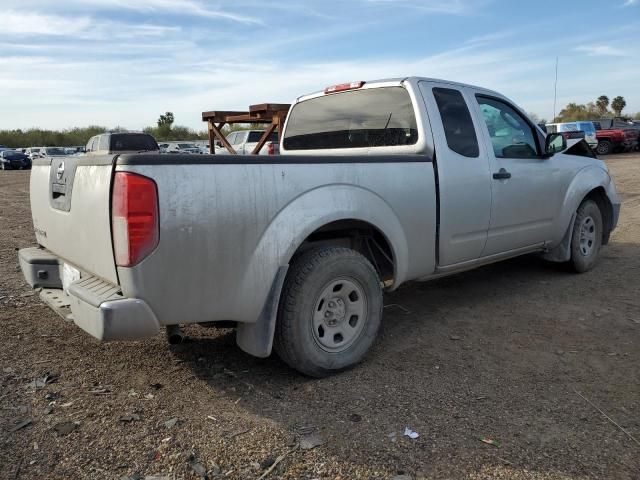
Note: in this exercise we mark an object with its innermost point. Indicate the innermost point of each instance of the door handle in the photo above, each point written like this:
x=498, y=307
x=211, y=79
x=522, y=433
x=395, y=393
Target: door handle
x=502, y=174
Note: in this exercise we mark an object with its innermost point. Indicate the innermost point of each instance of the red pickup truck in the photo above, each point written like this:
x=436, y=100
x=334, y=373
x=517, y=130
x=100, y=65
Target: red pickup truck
x=613, y=138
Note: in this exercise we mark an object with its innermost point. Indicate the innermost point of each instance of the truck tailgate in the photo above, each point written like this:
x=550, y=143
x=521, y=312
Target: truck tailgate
x=71, y=209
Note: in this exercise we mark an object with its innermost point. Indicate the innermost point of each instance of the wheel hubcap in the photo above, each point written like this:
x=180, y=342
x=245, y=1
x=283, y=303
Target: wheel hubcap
x=587, y=236
x=339, y=315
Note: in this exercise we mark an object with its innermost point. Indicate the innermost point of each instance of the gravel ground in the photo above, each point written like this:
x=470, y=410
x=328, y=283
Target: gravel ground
x=519, y=352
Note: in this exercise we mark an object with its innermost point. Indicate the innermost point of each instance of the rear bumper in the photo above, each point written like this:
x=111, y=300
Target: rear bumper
x=96, y=306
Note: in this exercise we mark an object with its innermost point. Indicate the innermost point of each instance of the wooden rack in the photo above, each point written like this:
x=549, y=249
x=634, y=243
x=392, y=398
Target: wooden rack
x=272, y=114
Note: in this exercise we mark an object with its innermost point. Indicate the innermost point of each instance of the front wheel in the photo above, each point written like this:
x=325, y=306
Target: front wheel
x=330, y=311
x=587, y=236
x=604, y=147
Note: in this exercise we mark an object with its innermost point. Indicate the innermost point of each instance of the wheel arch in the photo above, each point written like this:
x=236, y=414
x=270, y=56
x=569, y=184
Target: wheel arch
x=589, y=183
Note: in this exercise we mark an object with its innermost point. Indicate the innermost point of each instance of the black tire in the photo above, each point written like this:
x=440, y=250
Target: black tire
x=604, y=147
x=586, y=239
x=302, y=340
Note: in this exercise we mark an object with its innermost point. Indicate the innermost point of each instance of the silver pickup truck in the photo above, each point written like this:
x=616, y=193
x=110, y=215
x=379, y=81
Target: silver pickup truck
x=378, y=183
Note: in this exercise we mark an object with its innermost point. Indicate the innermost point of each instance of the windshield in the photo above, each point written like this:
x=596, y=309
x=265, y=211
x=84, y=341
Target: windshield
x=54, y=151
x=186, y=145
x=123, y=142
x=373, y=117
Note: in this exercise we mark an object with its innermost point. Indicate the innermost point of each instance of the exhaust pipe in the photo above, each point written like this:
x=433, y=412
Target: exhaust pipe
x=175, y=336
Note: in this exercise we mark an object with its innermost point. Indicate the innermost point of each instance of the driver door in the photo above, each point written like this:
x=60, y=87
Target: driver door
x=524, y=193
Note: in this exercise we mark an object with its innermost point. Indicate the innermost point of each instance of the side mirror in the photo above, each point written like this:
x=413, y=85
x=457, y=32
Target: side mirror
x=554, y=143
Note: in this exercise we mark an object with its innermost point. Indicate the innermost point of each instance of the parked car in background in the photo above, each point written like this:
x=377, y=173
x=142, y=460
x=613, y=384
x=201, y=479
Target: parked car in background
x=245, y=141
x=588, y=130
x=53, y=152
x=33, y=152
x=614, y=137
x=121, y=142
x=378, y=183
x=13, y=160
x=182, y=147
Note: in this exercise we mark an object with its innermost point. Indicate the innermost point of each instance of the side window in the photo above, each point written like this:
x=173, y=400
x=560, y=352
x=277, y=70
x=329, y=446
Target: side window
x=457, y=123
x=511, y=135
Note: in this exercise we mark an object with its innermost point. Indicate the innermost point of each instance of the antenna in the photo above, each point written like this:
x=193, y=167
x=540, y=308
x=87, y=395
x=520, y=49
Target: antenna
x=555, y=92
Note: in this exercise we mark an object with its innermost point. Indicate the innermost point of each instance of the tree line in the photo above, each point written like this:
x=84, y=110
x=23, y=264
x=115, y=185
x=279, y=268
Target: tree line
x=165, y=130
x=602, y=107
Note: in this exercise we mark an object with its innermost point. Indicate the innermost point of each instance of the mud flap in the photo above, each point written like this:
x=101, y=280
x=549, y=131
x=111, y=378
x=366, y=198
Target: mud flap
x=562, y=252
x=257, y=338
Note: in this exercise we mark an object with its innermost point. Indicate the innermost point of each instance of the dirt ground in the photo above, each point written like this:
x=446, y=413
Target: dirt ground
x=521, y=352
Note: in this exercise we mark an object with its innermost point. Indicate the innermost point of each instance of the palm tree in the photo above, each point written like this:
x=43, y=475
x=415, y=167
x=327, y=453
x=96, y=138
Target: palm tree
x=618, y=105
x=602, y=103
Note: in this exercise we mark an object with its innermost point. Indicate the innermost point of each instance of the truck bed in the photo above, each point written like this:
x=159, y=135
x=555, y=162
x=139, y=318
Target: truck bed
x=228, y=224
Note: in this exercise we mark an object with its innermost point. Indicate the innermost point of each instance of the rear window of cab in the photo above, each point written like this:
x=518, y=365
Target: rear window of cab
x=375, y=117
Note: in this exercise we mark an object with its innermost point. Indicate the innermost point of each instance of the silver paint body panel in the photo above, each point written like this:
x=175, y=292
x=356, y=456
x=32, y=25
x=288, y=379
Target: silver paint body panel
x=226, y=230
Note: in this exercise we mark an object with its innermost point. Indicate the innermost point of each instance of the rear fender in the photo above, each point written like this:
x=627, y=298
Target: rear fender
x=287, y=232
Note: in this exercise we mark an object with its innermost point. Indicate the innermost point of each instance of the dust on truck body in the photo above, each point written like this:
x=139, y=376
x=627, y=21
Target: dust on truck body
x=378, y=183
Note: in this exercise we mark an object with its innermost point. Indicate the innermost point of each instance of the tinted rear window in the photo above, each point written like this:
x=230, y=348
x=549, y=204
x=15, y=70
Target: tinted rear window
x=374, y=117
x=457, y=123
x=254, y=137
x=138, y=143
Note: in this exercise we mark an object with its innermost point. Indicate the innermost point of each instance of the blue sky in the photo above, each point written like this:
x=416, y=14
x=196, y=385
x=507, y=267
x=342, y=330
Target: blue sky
x=71, y=63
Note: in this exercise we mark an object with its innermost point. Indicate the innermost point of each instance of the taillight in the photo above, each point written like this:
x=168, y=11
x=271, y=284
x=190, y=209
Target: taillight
x=271, y=149
x=344, y=86
x=134, y=218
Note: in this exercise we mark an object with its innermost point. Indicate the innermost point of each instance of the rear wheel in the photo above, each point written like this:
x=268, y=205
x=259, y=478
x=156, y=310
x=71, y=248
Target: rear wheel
x=587, y=237
x=604, y=147
x=330, y=311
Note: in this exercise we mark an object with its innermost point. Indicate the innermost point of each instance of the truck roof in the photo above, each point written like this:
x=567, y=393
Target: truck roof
x=392, y=82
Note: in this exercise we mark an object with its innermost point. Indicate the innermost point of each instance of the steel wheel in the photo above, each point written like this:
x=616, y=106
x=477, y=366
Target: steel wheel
x=587, y=236
x=339, y=315
x=330, y=311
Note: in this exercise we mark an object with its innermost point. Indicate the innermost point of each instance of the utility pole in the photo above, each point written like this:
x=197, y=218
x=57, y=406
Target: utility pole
x=555, y=92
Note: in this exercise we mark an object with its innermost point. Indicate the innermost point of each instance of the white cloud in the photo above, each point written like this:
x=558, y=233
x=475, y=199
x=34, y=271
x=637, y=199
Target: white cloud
x=193, y=8
x=32, y=24
x=449, y=7
x=601, y=50
x=629, y=3
x=29, y=23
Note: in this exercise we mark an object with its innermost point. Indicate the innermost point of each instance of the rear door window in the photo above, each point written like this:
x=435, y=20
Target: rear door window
x=457, y=123
x=132, y=143
x=254, y=137
x=369, y=118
